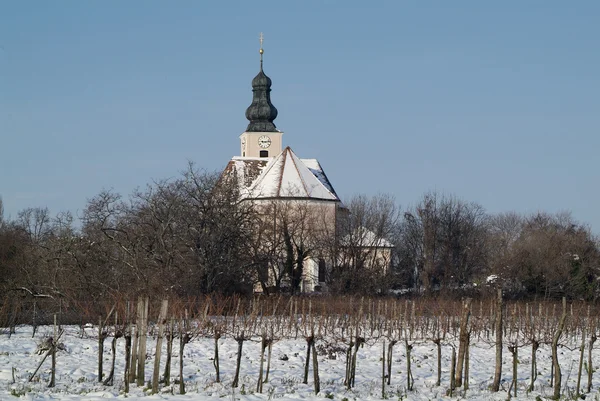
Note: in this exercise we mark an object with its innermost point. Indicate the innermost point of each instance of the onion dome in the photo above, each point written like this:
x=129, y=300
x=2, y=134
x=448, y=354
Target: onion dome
x=261, y=112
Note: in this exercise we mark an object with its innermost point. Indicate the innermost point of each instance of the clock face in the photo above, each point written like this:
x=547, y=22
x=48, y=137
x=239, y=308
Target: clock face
x=244, y=143
x=264, y=141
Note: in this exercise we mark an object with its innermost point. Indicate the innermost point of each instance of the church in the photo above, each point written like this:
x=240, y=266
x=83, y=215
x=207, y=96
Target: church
x=298, y=203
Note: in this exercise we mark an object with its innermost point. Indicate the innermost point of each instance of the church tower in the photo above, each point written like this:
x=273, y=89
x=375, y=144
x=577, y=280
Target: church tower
x=261, y=138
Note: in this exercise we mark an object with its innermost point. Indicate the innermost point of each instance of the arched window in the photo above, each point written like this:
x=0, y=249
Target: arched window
x=264, y=153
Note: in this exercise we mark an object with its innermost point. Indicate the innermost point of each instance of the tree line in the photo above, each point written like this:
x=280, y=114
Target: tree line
x=194, y=235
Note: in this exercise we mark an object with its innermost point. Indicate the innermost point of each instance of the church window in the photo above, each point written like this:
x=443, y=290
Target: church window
x=264, y=153
x=322, y=270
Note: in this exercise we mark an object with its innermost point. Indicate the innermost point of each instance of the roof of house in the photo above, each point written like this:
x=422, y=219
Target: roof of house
x=283, y=176
x=363, y=237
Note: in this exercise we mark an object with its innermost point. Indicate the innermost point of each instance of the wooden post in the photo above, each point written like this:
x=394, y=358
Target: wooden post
x=53, y=345
x=316, y=379
x=161, y=331
x=383, y=371
x=581, y=357
x=167, y=372
x=101, y=337
x=143, y=333
x=498, y=331
x=463, y=342
x=555, y=364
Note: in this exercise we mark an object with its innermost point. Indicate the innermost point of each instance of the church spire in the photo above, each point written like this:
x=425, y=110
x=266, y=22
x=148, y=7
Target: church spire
x=261, y=112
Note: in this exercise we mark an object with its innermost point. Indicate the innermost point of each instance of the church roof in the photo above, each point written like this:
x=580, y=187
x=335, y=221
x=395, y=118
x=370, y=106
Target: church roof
x=284, y=176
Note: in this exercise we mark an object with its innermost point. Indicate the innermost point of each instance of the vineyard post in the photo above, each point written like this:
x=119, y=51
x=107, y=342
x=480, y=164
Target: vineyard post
x=309, y=342
x=263, y=346
x=240, y=340
x=467, y=353
x=134, y=347
x=498, y=332
x=347, y=380
x=389, y=360
x=514, y=350
x=143, y=333
x=169, y=356
x=452, y=371
x=590, y=368
x=581, y=357
x=269, y=352
x=126, y=374
x=113, y=348
x=159, y=339
x=217, y=336
x=383, y=370
x=316, y=379
x=34, y=320
x=53, y=345
x=184, y=338
x=463, y=341
x=555, y=364
x=101, y=337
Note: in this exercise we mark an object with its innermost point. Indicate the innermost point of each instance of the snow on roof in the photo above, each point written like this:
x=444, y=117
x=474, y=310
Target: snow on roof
x=283, y=176
x=364, y=237
x=286, y=176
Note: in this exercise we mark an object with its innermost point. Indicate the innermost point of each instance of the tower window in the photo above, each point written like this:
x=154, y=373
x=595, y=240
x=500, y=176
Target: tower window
x=264, y=153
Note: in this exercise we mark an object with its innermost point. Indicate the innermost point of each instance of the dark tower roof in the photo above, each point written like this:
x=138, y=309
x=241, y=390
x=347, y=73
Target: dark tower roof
x=261, y=112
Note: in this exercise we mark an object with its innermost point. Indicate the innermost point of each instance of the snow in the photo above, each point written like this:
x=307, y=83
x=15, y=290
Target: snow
x=76, y=376
x=362, y=236
x=288, y=176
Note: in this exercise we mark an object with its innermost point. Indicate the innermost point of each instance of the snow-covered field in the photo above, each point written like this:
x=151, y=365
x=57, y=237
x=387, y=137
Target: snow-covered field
x=76, y=375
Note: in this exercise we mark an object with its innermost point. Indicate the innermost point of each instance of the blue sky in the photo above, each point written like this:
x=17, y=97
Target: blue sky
x=494, y=102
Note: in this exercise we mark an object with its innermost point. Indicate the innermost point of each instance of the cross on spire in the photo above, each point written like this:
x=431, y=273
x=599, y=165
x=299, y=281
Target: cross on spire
x=261, y=51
